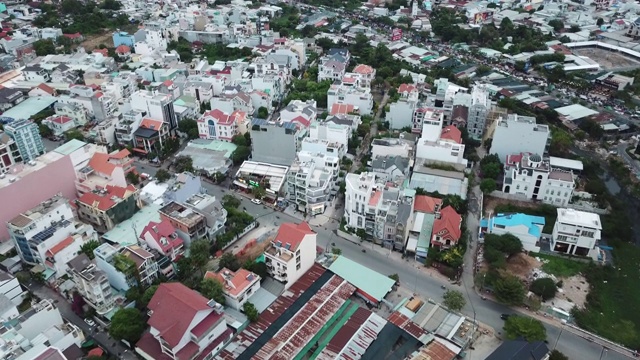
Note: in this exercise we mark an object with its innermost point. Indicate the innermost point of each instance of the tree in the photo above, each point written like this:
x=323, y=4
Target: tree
x=508, y=244
x=163, y=175
x=73, y=134
x=491, y=170
x=488, y=186
x=186, y=272
x=199, y=254
x=147, y=295
x=189, y=127
x=258, y=192
x=259, y=268
x=544, y=287
x=599, y=22
x=183, y=163
x=229, y=261
x=111, y=5
x=263, y=113
x=88, y=247
x=212, y=289
x=127, y=324
x=361, y=234
x=557, y=355
x=240, y=154
x=230, y=201
x=239, y=140
x=530, y=329
x=133, y=178
x=454, y=300
x=44, y=47
x=395, y=277
x=509, y=290
x=250, y=311
x=45, y=131
x=336, y=251
x=556, y=24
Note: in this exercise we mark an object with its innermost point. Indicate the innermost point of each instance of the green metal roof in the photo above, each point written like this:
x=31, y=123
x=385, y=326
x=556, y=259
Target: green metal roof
x=127, y=232
x=371, y=282
x=30, y=107
x=69, y=147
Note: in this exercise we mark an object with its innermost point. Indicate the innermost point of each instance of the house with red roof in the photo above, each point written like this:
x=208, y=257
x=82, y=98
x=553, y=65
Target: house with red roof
x=162, y=236
x=123, y=51
x=105, y=169
x=301, y=113
x=59, y=255
x=219, y=125
x=364, y=73
x=59, y=124
x=291, y=253
x=438, y=144
x=238, y=286
x=446, y=228
x=106, y=208
x=150, y=136
x=183, y=325
x=426, y=204
x=42, y=90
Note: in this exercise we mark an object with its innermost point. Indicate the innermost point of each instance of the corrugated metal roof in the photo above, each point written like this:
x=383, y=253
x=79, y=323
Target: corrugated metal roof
x=365, y=279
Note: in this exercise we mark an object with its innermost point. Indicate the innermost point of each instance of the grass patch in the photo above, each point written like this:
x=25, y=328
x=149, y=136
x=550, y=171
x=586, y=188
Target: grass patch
x=613, y=293
x=549, y=213
x=560, y=266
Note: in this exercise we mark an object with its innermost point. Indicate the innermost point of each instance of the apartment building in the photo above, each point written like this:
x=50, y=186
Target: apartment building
x=519, y=134
x=189, y=223
x=162, y=236
x=400, y=114
x=10, y=289
x=359, y=188
x=27, y=138
x=426, y=116
x=348, y=93
x=334, y=64
x=211, y=208
x=326, y=147
x=106, y=208
x=9, y=152
x=111, y=260
x=576, y=233
x=92, y=283
x=157, y=105
x=103, y=169
x=533, y=177
x=291, y=253
x=392, y=147
x=311, y=181
x=276, y=142
x=126, y=128
x=218, y=125
x=478, y=110
x=183, y=325
x=238, y=286
x=441, y=146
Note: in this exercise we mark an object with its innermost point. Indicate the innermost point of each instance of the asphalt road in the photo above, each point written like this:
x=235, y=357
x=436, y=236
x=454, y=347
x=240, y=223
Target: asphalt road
x=415, y=279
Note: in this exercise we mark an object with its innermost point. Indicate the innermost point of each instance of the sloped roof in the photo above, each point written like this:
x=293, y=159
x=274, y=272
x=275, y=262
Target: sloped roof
x=451, y=133
x=60, y=246
x=450, y=221
x=46, y=88
x=173, y=308
x=153, y=124
x=426, y=204
x=234, y=282
x=293, y=234
x=363, y=69
x=159, y=230
x=107, y=199
x=123, y=49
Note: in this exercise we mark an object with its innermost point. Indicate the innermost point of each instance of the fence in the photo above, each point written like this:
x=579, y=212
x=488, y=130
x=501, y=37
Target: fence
x=244, y=232
x=348, y=236
x=523, y=198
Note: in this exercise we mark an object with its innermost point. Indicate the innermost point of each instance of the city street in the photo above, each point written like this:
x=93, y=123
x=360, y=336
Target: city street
x=418, y=279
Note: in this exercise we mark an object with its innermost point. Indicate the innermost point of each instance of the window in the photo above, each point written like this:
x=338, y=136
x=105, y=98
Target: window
x=562, y=238
x=589, y=234
x=525, y=188
x=517, y=187
x=298, y=267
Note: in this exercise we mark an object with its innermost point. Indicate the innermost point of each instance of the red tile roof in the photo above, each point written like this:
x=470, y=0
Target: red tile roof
x=107, y=199
x=206, y=324
x=406, y=88
x=60, y=246
x=221, y=117
x=104, y=52
x=61, y=119
x=363, y=69
x=152, y=124
x=72, y=36
x=234, y=282
x=451, y=133
x=293, y=234
x=150, y=346
x=301, y=120
x=101, y=164
x=160, y=230
x=123, y=49
x=174, y=306
x=226, y=335
x=450, y=221
x=436, y=350
x=342, y=109
x=426, y=204
x=375, y=197
x=46, y=88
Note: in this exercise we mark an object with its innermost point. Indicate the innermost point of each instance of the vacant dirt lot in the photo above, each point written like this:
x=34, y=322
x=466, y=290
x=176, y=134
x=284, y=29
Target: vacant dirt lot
x=606, y=59
x=93, y=41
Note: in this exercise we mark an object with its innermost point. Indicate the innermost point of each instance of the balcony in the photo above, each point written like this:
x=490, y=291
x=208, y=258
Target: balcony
x=279, y=254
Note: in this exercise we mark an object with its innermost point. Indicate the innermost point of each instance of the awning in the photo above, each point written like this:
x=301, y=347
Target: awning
x=412, y=244
x=236, y=182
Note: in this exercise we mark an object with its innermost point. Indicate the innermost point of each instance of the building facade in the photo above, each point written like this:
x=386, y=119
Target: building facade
x=27, y=137
x=519, y=134
x=576, y=233
x=291, y=252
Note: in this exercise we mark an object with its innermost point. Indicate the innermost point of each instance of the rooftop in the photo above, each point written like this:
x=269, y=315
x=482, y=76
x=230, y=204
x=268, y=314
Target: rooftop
x=509, y=220
x=580, y=218
x=235, y=283
x=126, y=232
x=21, y=170
x=105, y=199
x=182, y=213
x=370, y=282
x=30, y=107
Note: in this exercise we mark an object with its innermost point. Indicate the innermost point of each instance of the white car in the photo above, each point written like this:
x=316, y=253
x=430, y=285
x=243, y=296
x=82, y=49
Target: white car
x=256, y=201
x=90, y=322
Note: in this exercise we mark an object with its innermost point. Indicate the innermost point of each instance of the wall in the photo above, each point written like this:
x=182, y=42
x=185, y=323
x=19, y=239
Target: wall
x=38, y=186
x=273, y=146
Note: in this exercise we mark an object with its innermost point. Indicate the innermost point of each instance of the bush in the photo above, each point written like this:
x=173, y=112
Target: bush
x=544, y=287
x=509, y=290
x=524, y=327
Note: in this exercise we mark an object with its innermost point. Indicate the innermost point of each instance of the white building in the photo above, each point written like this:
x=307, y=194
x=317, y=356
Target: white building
x=298, y=111
x=311, y=181
x=533, y=177
x=219, y=125
x=27, y=138
x=127, y=126
x=238, y=286
x=440, y=145
x=525, y=227
x=519, y=134
x=292, y=252
x=333, y=65
x=359, y=188
x=92, y=283
x=326, y=147
x=576, y=233
x=391, y=147
x=478, y=110
x=400, y=114
x=108, y=257
x=345, y=93
x=158, y=106
x=330, y=132
x=11, y=289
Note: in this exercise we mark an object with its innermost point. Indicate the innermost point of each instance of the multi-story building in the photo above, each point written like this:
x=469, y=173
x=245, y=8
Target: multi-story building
x=150, y=136
x=331, y=132
x=9, y=153
x=326, y=147
x=276, y=142
x=11, y=289
x=218, y=125
x=519, y=134
x=525, y=227
x=92, y=283
x=365, y=73
x=400, y=114
x=298, y=111
x=40, y=229
x=211, y=208
x=311, y=181
x=188, y=222
x=292, y=252
x=333, y=65
x=534, y=178
x=359, y=188
x=238, y=286
x=446, y=228
x=162, y=236
x=111, y=260
x=106, y=208
x=441, y=146
x=27, y=137
x=348, y=93
x=426, y=116
x=103, y=169
x=478, y=110
x=157, y=106
x=183, y=325
x=126, y=128
x=576, y=233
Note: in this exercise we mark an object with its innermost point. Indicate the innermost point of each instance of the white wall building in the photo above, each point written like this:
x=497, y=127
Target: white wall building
x=238, y=286
x=533, y=177
x=291, y=253
x=358, y=193
x=92, y=283
x=158, y=106
x=440, y=145
x=105, y=257
x=478, y=110
x=400, y=114
x=311, y=181
x=330, y=132
x=360, y=97
x=11, y=289
x=525, y=227
x=519, y=134
x=576, y=233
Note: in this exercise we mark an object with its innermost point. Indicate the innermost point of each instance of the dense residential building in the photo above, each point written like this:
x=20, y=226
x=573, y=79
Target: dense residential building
x=27, y=137
x=150, y=136
x=102, y=169
x=400, y=114
x=111, y=260
x=576, y=233
x=92, y=283
x=442, y=146
x=106, y=208
x=157, y=105
x=276, y=142
x=9, y=152
x=446, y=228
x=183, y=325
x=218, y=125
x=127, y=126
x=478, y=111
x=333, y=65
x=311, y=181
x=291, y=252
x=301, y=112
x=519, y=134
x=189, y=223
x=533, y=177
x=350, y=93
x=162, y=236
x=10, y=289
x=238, y=286
x=359, y=188
x=525, y=227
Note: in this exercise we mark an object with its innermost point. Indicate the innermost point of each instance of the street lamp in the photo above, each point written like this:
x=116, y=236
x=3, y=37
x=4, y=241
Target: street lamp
x=604, y=350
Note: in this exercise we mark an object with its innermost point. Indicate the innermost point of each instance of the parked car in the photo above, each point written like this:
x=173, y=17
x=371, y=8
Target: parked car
x=90, y=322
x=505, y=316
x=256, y=201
